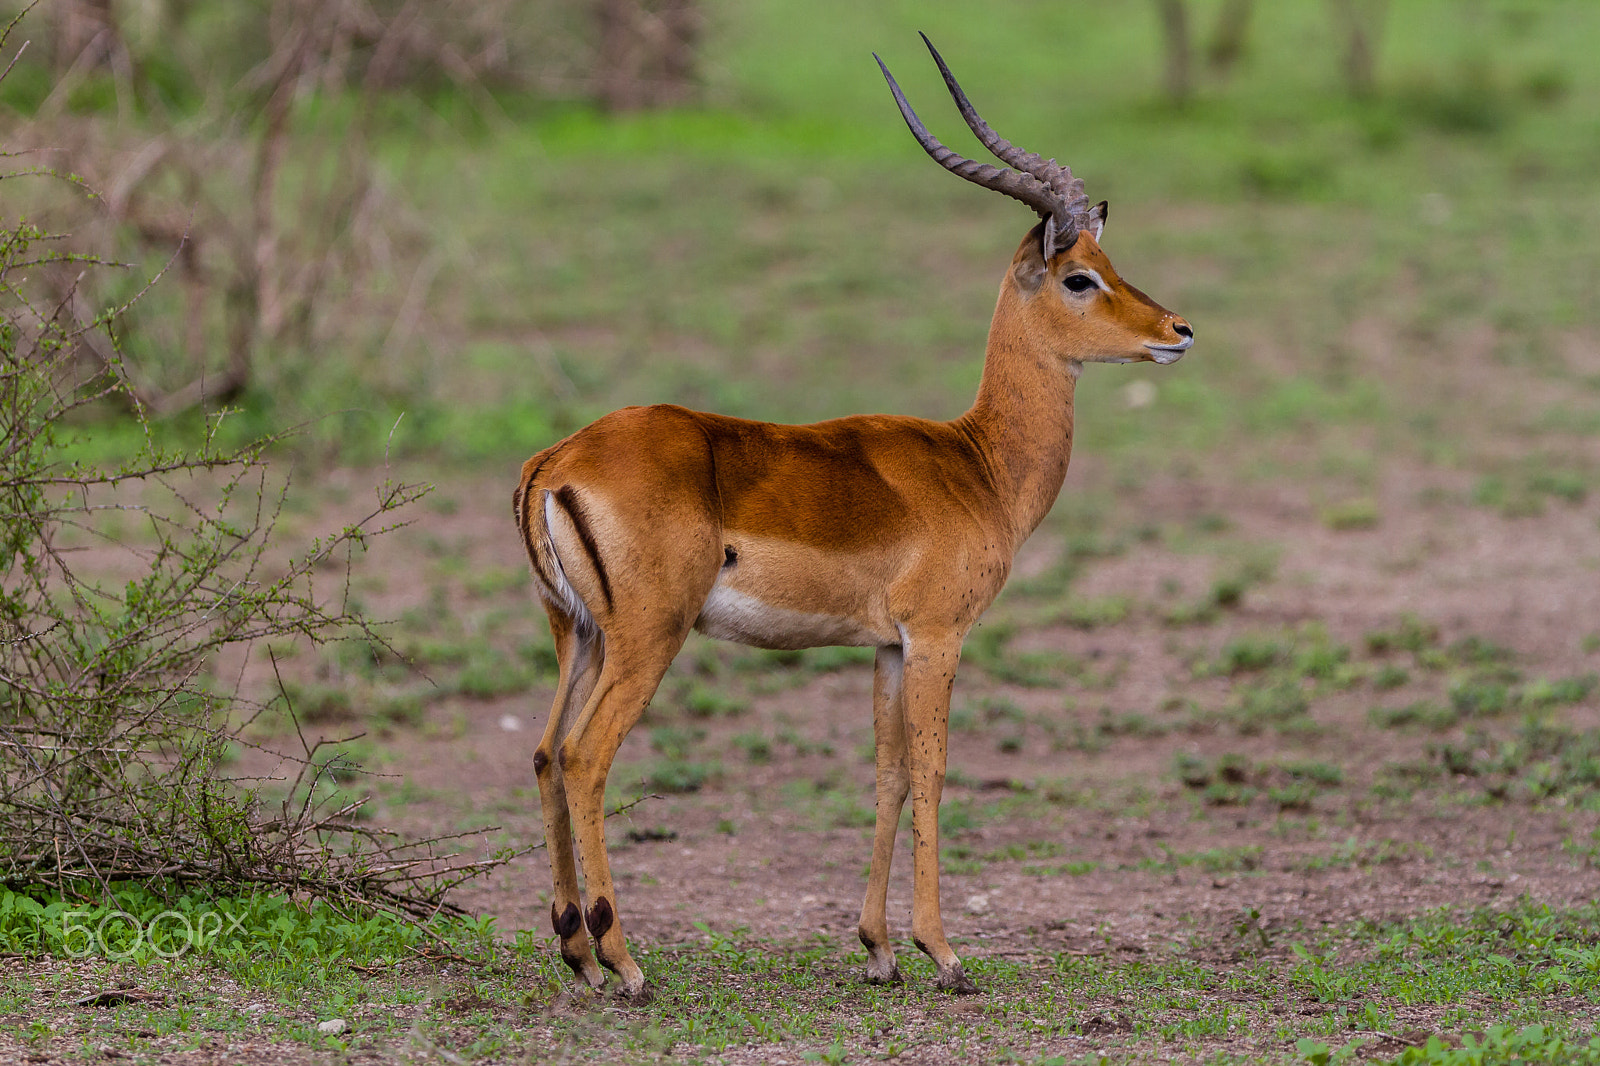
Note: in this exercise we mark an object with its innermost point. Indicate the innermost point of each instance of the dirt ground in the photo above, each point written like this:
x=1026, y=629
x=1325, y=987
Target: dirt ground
x=1076, y=834
x=1529, y=584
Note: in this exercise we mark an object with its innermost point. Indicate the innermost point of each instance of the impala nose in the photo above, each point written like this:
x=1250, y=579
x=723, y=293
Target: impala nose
x=1171, y=353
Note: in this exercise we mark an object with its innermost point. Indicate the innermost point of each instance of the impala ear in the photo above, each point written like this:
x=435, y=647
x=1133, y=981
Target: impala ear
x=1055, y=240
x=1097, y=219
x=1030, y=265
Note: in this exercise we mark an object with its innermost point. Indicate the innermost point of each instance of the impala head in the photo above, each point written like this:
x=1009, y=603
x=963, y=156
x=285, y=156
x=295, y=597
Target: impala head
x=1070, y=292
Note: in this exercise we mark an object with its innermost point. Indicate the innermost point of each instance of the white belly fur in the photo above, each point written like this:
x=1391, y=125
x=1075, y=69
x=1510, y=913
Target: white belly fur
x=735, y=616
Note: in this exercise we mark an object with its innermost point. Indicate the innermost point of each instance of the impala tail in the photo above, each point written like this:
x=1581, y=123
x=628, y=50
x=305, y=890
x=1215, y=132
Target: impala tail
x=548, y=518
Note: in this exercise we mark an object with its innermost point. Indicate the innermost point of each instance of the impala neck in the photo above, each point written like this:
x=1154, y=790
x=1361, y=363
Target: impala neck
x=1022, y=419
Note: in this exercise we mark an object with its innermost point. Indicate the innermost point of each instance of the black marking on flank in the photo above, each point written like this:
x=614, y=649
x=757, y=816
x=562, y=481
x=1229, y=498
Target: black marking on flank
x=540, y=761
x=520, y=500
x=568, y=922
x=729, y=556
x=600, y=918
x=567, y=497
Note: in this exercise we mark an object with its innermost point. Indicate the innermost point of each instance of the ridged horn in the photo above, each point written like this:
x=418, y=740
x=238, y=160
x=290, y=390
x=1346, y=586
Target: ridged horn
x=1059, y=178
x=1016, y=184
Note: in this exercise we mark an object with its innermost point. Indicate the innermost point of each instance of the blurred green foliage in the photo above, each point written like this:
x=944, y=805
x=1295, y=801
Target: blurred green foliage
x=1361, y=274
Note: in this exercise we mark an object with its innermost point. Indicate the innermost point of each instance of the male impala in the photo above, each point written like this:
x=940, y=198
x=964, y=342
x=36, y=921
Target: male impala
x=878, y=531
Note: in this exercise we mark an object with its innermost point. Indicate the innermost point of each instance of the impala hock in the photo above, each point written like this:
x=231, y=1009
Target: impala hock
x=880, y=531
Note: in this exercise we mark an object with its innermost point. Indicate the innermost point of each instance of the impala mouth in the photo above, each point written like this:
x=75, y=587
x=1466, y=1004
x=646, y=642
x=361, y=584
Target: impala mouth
x=1169, y=353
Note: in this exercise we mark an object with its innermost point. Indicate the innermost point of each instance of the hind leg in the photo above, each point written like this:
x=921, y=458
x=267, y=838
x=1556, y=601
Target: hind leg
x=632, y=671
x=580, y=656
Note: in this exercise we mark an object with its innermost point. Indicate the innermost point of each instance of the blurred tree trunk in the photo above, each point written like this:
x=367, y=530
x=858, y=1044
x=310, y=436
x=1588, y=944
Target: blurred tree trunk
x=647, y=52
x=87, y=37
x=1360, y=22
x=85, y=33
x=1228, y=40
x=1177, y=70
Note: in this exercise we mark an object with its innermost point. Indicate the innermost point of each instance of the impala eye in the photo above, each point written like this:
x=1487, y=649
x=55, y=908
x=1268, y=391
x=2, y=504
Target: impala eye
x=1078, y=282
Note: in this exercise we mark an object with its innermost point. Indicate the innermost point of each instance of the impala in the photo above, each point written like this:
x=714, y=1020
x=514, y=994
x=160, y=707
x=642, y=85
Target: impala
x=878, y=531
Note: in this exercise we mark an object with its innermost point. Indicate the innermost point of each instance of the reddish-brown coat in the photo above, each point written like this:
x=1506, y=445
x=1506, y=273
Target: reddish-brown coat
x=874, y=529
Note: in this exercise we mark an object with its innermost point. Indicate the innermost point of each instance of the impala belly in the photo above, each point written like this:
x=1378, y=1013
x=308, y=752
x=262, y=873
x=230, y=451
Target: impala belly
x=731, y=615
x=759, y=595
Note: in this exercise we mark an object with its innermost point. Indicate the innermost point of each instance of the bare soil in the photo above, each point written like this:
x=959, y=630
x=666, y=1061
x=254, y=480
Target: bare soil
x=1135, y=861
x=1529, y=584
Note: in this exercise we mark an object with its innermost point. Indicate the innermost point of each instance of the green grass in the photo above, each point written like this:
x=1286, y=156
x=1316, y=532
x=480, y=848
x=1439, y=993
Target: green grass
x=1540, y=761
x=1501, y=1044
x=1292, y=994
x=263, y=939
x=1361, y=854
x=672, y=775
x=1358, y=513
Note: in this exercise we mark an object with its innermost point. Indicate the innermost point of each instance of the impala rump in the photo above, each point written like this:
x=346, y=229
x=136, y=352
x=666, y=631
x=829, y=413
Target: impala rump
x=561, y=518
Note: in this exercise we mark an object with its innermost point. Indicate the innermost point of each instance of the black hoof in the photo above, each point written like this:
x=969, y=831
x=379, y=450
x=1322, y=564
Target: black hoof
x=957, y=982
x=640, y=997
x=892, y=978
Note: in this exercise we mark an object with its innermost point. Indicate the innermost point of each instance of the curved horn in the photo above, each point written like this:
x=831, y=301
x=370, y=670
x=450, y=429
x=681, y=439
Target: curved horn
x=1053, y=174
x=1017, y=185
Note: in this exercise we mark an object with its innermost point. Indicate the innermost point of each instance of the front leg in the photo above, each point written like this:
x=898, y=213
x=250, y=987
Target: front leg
x=930, y=671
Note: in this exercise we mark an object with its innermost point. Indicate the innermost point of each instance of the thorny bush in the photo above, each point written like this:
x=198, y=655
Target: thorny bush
x=116, y=716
